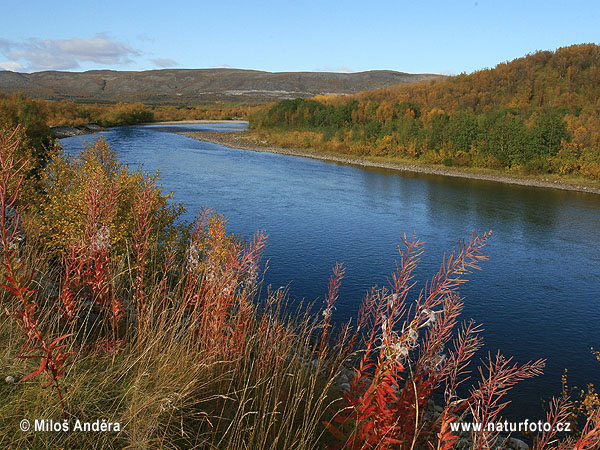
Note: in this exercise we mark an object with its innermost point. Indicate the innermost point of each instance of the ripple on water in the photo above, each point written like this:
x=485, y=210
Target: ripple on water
x=537, y=296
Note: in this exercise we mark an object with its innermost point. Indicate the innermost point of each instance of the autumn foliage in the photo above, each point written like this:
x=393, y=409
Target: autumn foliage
x=536, y=114
x=161, y=326
x=38, y=115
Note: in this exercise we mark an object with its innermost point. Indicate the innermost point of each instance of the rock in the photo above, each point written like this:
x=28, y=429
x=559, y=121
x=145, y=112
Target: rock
x=317, y=366
x=95, y=127
x=349, y=373
x=463, y=443
x=344, y=387
x=49, y=288
x=343, y=379
x=10, y=379
x=516, y=444
x=61, y=132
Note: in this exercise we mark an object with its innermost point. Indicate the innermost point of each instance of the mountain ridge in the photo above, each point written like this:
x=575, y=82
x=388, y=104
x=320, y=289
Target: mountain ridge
x=194, y=86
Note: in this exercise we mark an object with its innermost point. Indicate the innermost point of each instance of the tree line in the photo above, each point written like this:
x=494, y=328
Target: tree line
x=67, y=113
x=536, y=114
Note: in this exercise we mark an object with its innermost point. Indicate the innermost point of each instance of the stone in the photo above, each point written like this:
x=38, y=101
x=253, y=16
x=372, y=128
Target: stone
x=343, y=379
x=10, y=379
x=463, y=443
x=344, y=387
x=349, y=373
x=516, y=444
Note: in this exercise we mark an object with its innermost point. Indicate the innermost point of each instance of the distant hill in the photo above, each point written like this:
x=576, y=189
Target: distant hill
x=194, y=86
x=538, y=114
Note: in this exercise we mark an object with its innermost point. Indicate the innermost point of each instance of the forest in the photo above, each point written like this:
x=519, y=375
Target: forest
x=538, y=114
x=18, y=108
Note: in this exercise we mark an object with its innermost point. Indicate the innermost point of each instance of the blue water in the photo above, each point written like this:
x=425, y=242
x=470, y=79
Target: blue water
x=537, y=296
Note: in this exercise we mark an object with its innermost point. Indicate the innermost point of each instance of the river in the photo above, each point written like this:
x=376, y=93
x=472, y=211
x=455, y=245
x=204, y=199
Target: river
x=538, y=295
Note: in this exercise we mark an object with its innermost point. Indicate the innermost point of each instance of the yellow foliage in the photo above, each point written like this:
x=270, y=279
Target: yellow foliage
x=92, y=190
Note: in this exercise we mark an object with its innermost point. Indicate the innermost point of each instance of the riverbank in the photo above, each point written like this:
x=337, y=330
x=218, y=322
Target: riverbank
x=61, y=132
x=245, y=141
x=192, y=122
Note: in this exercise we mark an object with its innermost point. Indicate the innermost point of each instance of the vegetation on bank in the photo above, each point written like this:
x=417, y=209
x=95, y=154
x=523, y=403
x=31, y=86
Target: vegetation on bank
x=536, y=114
x=127, y=314
x=65, y=113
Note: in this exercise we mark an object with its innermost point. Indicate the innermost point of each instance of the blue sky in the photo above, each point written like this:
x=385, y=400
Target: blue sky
x=447, y=37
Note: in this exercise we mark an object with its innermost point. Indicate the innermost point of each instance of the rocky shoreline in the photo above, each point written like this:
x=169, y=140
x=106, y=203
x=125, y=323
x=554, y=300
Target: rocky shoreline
x=242, y=140
x=61, y=132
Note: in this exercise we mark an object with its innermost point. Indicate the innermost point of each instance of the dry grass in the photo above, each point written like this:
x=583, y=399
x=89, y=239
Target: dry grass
x=170, y=338
x=167, y=389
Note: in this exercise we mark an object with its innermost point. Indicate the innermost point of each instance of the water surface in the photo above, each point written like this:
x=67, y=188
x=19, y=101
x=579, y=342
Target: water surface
x=537, y=296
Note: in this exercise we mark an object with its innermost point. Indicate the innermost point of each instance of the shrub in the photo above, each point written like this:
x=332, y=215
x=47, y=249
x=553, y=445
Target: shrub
x=169, y=338
x=89, y=191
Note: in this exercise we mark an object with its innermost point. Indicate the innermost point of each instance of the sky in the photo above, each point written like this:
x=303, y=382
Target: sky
x=447, y=37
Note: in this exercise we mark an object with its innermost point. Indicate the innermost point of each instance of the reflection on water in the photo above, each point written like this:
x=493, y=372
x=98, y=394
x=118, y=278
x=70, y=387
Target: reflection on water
x=537, y=296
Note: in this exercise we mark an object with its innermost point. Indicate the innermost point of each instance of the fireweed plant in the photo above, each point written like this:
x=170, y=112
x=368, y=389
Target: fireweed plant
x=405, y=360
x=18, y=277
x=137, y=319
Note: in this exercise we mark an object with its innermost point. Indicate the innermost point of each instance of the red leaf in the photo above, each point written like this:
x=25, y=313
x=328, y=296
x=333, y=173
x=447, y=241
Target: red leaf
x=334, y=430
x=58, y=339
x=9, y=288
x=39, y=370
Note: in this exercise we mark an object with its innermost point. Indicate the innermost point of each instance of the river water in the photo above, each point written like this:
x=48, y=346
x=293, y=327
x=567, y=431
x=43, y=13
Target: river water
x=538, y=295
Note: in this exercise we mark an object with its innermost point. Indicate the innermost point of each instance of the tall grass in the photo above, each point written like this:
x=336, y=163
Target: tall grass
x=163, y=330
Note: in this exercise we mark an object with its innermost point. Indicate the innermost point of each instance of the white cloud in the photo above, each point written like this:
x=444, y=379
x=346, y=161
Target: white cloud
x=223, y=66
x=165, y=62
x=64, y=54
x=11, y=65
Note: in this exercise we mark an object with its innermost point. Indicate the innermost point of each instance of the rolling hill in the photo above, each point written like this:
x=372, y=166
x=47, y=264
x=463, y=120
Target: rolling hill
x=195, y=86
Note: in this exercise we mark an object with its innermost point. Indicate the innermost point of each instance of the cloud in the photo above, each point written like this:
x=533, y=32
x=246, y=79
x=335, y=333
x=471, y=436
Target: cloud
x=11, y=65
x=448, y=72
x=164, y=62
x=64, y=54
x=338, y=69
x=145, y=38
x=4, y=45
x=223, y=66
